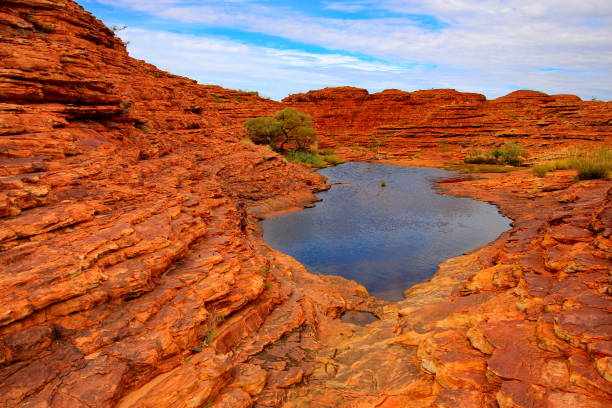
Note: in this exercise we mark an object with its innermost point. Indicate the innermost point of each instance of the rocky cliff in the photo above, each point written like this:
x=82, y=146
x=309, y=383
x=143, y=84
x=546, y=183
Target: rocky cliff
x=398, y=124
x=133, y=272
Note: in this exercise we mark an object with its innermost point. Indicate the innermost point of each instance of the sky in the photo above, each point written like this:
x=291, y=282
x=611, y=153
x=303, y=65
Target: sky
x=279, y=48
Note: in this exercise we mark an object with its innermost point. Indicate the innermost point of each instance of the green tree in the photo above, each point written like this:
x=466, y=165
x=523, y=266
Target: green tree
x=287, y=126
x=264, y=130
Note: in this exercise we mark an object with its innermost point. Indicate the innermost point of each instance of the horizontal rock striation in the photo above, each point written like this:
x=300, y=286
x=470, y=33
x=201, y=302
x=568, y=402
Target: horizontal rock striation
x=396, y=123
x=133, y=272
x=124, y=236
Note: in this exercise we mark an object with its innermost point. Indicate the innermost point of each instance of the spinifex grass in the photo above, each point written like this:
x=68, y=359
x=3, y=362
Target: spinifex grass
x=312, y=158
x=589, y=164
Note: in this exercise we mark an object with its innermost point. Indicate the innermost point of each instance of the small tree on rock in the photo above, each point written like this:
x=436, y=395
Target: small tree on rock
x=264, y=130
x=287, y=126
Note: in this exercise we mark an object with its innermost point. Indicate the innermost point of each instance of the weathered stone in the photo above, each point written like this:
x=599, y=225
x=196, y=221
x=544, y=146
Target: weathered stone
x=134, y=273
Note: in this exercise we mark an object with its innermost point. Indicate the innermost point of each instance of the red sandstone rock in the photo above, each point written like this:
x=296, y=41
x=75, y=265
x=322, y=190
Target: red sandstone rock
x=134, y=273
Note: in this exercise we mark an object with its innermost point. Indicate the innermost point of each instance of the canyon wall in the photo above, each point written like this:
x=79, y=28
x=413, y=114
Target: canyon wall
x=133, y=272
x=398, y=124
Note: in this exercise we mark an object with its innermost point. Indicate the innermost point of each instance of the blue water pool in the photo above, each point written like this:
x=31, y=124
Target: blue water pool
x=386, y=238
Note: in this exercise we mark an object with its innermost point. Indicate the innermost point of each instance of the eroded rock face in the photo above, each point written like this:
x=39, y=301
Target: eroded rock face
x=125, y=235
x=395, y=124
x=133, y=272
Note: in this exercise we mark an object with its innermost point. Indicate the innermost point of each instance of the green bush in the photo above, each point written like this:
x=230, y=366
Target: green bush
x=288, y=126
x=511, y=153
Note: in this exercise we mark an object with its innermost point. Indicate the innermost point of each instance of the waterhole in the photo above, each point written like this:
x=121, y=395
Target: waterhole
x=383, y=226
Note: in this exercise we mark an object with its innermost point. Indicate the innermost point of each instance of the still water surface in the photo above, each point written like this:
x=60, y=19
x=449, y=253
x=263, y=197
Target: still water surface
x=386, y=238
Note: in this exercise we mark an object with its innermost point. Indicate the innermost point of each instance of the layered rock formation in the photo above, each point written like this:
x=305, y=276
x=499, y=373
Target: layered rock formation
x=397, y=124
x=133, y=273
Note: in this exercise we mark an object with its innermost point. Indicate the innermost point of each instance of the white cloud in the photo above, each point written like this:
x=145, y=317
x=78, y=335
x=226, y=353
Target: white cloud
x=235, y=65
x=499, y=44
x=349, y=7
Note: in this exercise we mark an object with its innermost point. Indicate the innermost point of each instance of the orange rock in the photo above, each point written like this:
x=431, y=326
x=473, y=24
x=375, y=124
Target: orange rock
x=134, y=273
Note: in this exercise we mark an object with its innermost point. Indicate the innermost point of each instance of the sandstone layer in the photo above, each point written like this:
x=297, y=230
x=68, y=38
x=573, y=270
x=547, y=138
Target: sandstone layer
x=399, y=125
x=133, y=271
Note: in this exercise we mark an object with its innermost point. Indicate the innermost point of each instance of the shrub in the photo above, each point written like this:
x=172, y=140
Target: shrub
x=126, y=107
x=287, y=126
x=264, y=130
x=383, y=183
x=478, y=157
x=593, y=164
x=539, y=170
x=46, y=28
x=511, y=153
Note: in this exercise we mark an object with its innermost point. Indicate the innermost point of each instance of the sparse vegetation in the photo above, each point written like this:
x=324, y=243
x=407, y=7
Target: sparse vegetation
x=217, y=98
x=590, y=164
x=511, y=153
x=126, y=107
x=288, y=126
x=312, y=158
x=479, y=168
x=212, y=331
x=76, y=272
x=46, y=28
x=444, y=147
x=308, y=158
x=211, y=335
x=145, y=128
x=333, y=159
x=267, y=285
x=253, y=93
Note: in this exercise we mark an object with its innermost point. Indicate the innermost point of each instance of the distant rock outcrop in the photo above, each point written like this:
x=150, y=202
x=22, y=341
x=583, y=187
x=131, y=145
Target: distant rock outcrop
x=396, y=123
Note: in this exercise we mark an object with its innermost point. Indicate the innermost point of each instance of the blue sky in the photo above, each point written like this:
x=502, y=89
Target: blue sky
x=282, y=47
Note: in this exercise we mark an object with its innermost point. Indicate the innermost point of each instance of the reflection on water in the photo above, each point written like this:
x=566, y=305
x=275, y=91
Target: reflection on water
x=386, y=238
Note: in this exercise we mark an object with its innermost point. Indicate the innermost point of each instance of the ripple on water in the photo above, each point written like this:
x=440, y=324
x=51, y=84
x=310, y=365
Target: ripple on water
x=386, y=238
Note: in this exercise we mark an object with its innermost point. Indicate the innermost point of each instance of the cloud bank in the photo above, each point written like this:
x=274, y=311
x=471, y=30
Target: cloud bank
x=487, y=46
